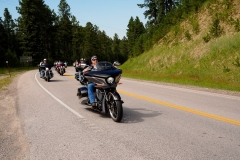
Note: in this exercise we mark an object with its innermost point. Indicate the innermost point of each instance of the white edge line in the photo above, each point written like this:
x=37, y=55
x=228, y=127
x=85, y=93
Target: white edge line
x=58, y=100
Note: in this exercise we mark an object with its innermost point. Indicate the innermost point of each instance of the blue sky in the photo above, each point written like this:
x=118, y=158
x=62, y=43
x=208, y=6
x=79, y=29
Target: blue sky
x=112, y=16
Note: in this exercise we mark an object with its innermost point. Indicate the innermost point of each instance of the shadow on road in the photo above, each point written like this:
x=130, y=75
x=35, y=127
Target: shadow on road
x=56, y=80
x=136, y=115
x=130, y=115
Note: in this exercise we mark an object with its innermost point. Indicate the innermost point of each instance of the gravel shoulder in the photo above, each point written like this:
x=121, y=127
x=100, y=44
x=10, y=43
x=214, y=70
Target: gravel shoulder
x=13, y=144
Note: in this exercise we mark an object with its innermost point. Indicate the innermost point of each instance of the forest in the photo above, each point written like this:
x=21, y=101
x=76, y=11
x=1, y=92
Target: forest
x=42, y=33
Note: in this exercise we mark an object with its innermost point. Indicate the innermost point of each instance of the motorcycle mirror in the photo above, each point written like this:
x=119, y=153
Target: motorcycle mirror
x=116, y=63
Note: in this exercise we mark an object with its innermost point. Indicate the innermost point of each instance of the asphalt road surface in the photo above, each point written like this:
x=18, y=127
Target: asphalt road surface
x=159, y=122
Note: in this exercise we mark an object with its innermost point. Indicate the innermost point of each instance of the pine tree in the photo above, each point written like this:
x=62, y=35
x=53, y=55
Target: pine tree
x=33, y=25
x=3, y=43
x=89, y=40
x=123, y=46
x=134, y=31
x=9, y=27
x=115, y=47
x=64, y=31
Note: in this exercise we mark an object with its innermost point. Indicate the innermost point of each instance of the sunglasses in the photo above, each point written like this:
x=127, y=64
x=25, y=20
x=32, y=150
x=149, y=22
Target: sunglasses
x=94, y=59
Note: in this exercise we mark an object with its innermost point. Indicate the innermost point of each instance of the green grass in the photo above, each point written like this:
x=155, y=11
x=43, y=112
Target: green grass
x=215, y=64
x=6, y=78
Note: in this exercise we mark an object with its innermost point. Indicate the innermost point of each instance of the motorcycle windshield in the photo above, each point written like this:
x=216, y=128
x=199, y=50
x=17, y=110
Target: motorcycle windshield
x=104, y=69
x=46, y=65
x=101, y=66
x=60, y=64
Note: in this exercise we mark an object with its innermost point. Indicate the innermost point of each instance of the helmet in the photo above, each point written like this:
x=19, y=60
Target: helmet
x=94, y=57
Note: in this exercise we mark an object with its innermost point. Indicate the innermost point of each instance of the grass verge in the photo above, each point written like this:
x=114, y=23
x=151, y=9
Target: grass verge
x=6, y=78
x=213, y=65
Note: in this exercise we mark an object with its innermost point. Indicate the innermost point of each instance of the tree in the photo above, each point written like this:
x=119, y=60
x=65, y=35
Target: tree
x=64, y=31
x=134, y=31
x=3, y=43
x=105, y=44
x=33, y=26
x=123, y=46
x=77, y=40
x=152, y=12
x=157, y=9
x=9, y=27
x=115, y=47
x=89, y=40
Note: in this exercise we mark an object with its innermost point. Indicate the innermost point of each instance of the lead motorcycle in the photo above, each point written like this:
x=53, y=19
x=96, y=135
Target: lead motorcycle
x=106, y=77
x=46, y=71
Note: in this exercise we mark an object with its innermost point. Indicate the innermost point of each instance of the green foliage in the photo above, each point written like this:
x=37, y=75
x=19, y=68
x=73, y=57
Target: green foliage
x=216, y=30
x=6, y=78
x=213, y=68
x=134, y=31
x=237, y=25
x=226, y=69
x=236, y=62
x=207, y=38
x=195, y=25
x=188, y=35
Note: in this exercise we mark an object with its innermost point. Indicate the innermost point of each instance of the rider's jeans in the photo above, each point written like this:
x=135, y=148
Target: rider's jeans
x=42, y=73
x=91, y=91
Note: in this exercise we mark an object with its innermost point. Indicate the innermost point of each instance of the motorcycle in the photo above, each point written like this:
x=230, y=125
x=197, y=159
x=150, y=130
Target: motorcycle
x=106, y=77
x=46, y=71
x=75, y=65
x=60, y=67
x=79, y=74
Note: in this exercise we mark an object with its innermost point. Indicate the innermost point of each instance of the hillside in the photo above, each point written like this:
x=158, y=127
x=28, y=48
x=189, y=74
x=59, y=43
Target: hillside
x=204, y=50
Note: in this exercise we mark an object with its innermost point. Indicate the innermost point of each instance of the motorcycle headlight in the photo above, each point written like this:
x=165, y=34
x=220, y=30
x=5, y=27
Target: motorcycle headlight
x=110, y=80
x=47, y=69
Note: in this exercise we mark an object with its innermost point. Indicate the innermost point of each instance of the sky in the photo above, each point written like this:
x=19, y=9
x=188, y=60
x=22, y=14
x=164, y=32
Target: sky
x=112, y=16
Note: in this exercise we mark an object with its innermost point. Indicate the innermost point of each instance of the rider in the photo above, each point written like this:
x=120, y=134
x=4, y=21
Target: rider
x=91, y=87
x=41, y=69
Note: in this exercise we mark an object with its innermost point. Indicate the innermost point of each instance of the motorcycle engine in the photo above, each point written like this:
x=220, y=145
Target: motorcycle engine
x=99, y=94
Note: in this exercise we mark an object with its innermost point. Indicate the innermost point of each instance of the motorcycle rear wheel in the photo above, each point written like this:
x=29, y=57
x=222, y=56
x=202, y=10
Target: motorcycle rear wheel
x=115, y=109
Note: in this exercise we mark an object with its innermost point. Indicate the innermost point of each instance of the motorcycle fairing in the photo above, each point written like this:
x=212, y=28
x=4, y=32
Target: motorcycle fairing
x=101, y=72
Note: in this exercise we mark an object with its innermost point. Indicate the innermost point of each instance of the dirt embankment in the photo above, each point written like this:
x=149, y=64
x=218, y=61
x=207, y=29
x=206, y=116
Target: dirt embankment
x=13, y=144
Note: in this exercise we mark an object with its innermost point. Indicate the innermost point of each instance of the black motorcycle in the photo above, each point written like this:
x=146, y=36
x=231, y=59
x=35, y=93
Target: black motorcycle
x=79, y=69
x=106, y=77
x=45, y=69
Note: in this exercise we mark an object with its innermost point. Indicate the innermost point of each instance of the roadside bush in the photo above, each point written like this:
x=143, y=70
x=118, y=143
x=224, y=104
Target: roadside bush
x=237, y=62
x=237, y=25
x=216, y=30
x=188, y=35
x=207, y=38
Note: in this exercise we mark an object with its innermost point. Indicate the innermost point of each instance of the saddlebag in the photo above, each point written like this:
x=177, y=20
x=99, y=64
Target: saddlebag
x=82, y=92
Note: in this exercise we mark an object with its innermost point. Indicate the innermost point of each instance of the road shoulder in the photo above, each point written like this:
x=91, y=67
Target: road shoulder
x=13, y=144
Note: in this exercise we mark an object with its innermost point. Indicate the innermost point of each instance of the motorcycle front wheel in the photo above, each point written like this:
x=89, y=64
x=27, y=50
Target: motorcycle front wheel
x=115, y=109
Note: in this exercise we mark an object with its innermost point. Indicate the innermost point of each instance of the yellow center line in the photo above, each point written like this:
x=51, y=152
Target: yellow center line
x=204, y=114
x=182, y=108
x=70, y=76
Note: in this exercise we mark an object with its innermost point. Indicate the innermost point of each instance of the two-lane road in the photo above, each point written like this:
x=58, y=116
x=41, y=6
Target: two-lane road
x=159, y=122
